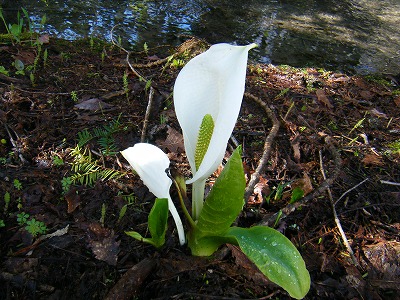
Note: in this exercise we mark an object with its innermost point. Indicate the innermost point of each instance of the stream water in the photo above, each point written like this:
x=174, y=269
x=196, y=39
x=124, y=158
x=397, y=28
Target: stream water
x=356, y=36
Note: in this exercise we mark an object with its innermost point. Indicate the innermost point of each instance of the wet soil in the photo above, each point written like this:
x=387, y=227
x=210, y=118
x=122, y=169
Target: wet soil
x=75, y=105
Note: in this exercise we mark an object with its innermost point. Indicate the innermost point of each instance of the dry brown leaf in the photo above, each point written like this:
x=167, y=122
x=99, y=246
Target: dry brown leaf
x=261, y=189
x=174, y=141
x=73, y=200
x=93, y=104
x=304, y=184
x=372, y=160
x=397, y=101
x=103, y=243
x=296, y=151
x=323, y=98
x=44, y=39
x=367, y=95
x=378, y=114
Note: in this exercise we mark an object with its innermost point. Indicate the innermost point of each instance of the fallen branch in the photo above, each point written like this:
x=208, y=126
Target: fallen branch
x=129, y=284
x=255, y=177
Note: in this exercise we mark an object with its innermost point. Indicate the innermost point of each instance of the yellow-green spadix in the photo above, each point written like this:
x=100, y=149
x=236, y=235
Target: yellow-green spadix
x=150, y=163
x=212, y=85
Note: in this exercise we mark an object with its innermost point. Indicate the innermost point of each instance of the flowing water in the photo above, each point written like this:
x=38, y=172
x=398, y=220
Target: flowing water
x=358, y=36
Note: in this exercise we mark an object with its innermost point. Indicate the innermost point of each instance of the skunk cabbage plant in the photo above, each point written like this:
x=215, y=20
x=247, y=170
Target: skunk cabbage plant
x=207, y=95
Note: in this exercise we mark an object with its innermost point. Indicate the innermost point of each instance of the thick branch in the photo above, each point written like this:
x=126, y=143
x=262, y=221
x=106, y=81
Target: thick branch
x=267, y=146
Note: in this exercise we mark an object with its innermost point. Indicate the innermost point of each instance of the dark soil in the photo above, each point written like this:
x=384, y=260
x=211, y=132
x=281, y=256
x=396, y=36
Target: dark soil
x=77, y=96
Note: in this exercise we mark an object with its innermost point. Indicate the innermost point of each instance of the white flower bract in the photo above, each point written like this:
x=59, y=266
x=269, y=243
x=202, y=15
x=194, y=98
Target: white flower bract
x=211, y=83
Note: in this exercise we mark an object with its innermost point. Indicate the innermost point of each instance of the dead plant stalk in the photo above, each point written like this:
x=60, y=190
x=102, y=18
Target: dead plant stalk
x=335, y=216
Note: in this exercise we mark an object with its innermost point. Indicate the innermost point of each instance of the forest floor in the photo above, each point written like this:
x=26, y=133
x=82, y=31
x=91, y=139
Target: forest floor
x=67, y=196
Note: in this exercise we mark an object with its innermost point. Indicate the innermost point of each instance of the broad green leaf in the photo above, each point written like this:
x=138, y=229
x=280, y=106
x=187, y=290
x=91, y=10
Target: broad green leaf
x=157, y=224
x=221, y=208
x=275, y=256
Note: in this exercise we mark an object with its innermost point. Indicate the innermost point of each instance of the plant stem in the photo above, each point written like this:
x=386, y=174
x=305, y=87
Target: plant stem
x=178, y=221
x=184, y=209
x=197, y=197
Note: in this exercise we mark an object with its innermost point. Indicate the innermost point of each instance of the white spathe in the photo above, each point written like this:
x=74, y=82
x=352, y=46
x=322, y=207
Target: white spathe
x=150, y=163
x=211, y=83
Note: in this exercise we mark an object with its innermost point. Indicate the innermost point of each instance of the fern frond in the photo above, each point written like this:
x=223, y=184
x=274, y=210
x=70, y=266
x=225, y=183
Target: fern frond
x=84, y=137
x=87, y=170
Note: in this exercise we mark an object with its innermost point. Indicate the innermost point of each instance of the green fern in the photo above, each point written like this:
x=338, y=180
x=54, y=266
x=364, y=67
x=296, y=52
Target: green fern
x=87, y=170
x=84, y=137
x=104, y=136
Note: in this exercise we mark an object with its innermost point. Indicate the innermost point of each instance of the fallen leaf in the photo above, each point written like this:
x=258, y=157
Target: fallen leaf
x=103, y=243
x=397, y=101
x=44, y=39
x=323, y=98
x=93, y=104
x=304, y=184
x=73, y=200
x=296, y=151
x=372, y=160
x=174, y=141
x=367, y=95
x=261, y=189
x=378, y=114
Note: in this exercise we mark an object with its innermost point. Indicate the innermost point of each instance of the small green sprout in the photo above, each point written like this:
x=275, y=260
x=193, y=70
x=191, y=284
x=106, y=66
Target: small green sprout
x=17, y=184
x=66, y=183
x=22, y=218
x=32, y=78
x=57, y=161
x=7, y=199
x=125, y=83
x=122, y=212
x=35, y=227
x=3, y=71
x=74, y=96
x=103, y=214
x=2, y=224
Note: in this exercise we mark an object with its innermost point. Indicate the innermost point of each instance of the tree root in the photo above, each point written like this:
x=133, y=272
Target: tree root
x=255, y=177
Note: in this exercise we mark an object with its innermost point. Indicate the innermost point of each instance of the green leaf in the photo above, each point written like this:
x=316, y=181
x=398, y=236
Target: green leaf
x=297, y=194
x=157, y=224
x=222, y=206
x=275, y=256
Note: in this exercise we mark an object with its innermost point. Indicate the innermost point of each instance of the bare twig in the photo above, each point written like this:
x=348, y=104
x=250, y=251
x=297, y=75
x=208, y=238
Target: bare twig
x=127, y=54
x=147, y=114
x=255, y=177
x=15, y=144
x=348, y=191
x=389, y=182
x=335, y=216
